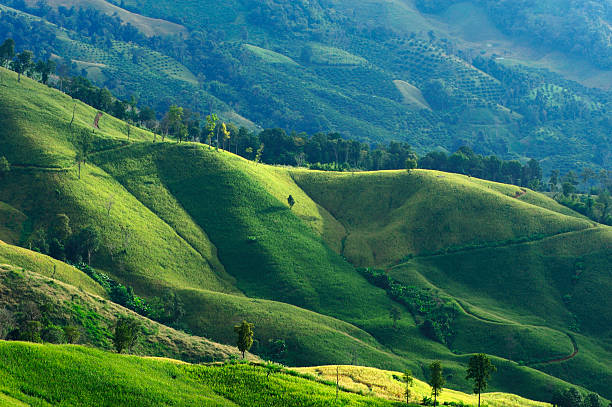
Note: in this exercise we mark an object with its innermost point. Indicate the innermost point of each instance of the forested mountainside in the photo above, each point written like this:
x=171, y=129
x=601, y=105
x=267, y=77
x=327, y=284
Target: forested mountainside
x=519, y=80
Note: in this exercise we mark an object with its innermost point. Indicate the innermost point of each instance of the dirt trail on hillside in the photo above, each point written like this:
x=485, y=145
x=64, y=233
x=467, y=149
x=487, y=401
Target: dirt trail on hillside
x=546, y=362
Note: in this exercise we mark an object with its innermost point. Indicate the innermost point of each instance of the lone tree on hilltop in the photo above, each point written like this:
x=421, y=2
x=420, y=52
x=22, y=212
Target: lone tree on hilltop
x=479, y=370
x=436, y=380
x=408, y=381
x=127, y=331
x=291, y=202
x=245, y=336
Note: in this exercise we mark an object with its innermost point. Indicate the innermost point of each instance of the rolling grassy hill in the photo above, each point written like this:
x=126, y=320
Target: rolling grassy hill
x=216, y=230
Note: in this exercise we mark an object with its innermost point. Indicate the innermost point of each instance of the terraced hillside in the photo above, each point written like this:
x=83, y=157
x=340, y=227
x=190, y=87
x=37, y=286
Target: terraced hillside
x=216, y=230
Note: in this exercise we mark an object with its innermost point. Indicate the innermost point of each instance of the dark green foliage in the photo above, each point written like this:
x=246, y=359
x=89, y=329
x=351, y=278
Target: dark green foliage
x=53, y=334
x=167, y=309
x=71, y=334
x=435, y=314
x=7, y=322
x=124, y=295
x=126, y=333
x=290, y=201
x=7, y=51
x=83, y=244
x=23, y=63
x=592, y=400
x=30, y=331
x=245, y=336
x=479, y=370
x=396, y=314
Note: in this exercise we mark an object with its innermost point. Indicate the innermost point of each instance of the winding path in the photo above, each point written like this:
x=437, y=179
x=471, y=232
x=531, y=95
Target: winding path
x=545, y=362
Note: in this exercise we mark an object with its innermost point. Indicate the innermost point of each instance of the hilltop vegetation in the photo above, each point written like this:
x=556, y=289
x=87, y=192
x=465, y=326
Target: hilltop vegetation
x=216, y=231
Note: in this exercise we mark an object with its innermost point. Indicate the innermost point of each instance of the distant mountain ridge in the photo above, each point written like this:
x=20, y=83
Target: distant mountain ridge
x=478, y=70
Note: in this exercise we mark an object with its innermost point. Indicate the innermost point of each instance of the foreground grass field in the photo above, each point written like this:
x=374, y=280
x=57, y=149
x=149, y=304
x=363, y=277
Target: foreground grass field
x=216, y=230
x=88, y=377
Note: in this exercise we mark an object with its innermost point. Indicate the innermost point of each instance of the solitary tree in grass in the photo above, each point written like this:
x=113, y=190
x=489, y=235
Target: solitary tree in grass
x=245, y=336
x=23, y=63
x=408, y=382
x=127, y=331
x=291, y=202
x=436, y=380
x=479, y=370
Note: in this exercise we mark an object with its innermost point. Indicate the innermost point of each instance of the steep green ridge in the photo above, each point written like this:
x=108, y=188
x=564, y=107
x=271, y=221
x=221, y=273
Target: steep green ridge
x=216, y=229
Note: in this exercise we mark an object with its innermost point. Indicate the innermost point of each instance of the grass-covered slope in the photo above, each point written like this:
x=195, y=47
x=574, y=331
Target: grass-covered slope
x=390, y=215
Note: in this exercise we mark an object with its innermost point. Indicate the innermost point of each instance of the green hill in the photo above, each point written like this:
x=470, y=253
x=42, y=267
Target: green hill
x=216, y=230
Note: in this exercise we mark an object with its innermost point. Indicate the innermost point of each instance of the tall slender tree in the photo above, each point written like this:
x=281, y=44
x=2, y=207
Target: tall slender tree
x=479, y=370
x=436, y=380
x=245, y=336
